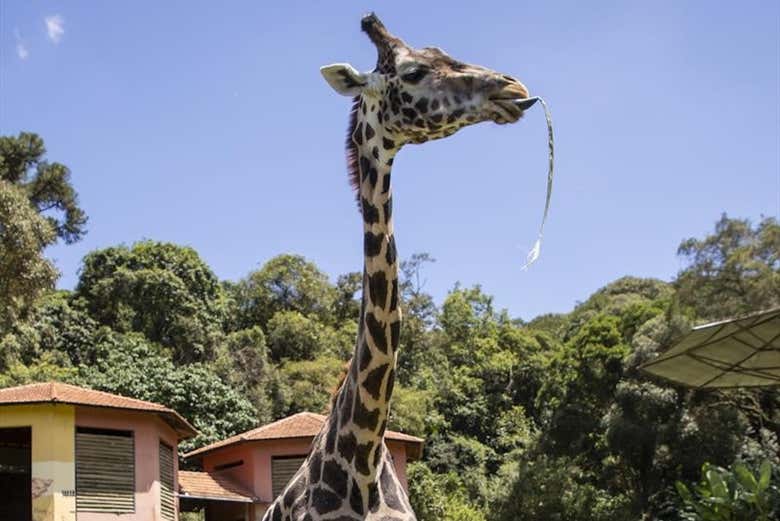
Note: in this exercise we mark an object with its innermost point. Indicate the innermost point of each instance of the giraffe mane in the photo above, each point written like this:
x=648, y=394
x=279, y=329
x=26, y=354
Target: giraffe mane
x=334, y=392
x=352, y=151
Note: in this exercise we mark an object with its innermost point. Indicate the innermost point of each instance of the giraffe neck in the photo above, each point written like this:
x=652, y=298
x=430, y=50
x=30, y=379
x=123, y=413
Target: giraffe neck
x=364, y=398
x=349, y=471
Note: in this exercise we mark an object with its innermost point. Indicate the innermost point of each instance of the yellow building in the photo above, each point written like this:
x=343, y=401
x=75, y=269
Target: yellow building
x=67, y=452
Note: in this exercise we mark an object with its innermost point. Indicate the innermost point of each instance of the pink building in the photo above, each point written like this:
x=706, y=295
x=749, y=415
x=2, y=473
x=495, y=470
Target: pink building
x=70, y=453
x=243, y=474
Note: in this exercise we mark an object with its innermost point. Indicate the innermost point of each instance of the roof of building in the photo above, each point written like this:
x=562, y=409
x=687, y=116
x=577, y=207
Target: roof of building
x=56, y=392
x=737, y=352
x=301, y=425
x=213, y=486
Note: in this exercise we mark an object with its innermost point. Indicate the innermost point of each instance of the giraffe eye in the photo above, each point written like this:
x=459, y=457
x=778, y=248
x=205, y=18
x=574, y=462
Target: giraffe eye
x=414, y=75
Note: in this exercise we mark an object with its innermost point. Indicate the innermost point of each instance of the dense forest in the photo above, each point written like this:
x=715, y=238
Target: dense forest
x=545, y=419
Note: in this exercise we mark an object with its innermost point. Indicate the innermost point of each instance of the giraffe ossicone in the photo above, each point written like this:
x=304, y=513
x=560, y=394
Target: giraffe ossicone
x=412, y=96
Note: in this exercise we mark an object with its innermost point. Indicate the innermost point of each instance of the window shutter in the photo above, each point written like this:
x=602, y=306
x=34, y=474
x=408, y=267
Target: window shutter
x=105, y=471
x=282, y=471
x=167, y=506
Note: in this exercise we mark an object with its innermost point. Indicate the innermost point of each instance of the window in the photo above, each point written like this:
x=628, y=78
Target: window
x=105, y=471
x=283, y=468
x=167, y=506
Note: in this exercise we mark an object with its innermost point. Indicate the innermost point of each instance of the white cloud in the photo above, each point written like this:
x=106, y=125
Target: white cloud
x=21, y=49
x=55, y=27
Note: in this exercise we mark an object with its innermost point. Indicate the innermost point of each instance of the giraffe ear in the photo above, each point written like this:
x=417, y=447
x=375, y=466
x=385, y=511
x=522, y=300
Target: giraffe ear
x=344, y=78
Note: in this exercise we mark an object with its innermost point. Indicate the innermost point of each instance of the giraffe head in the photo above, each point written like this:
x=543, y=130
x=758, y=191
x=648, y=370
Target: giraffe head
x=424, y=94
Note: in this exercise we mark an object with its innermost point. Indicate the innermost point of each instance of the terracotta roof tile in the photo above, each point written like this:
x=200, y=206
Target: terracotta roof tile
x=301, y=425
x=211, y=485
x=57, y=392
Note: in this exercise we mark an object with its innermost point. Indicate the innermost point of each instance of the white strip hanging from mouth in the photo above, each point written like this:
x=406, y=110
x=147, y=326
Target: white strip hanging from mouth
x=536, y=249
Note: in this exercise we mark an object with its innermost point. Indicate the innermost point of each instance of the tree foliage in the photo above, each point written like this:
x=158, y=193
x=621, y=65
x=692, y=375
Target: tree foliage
x=308, y=385
x=46, y=185
x=731, y=494
x=161, y=290
x=284, y=283
x=557, y=489
x=293, y=336
x=734, y=271
x=241, y=361
x=24, y=272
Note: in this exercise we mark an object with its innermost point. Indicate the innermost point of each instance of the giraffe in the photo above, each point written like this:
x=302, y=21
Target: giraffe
x=412, y=96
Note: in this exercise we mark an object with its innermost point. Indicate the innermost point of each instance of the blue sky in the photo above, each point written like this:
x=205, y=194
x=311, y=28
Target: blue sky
x=208, y=124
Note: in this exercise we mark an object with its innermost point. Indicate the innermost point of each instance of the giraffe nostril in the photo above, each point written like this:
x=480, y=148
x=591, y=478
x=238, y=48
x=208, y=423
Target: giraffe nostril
x=510, y=79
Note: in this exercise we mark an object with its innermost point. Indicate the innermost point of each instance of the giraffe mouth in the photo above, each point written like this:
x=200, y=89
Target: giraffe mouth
x=509, y=110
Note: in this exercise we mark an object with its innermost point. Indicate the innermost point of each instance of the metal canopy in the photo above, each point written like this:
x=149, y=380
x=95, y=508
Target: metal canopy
x=740, y=352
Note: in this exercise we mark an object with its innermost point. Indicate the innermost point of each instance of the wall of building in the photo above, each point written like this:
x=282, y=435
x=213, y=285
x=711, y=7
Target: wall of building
x=244, y=474
x=398, y=452
x=148, y=430
x=53, y=448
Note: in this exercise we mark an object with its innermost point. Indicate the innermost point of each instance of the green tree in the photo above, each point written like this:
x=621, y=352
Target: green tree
x=56, y=326
x=581, y=385
x=417, y=303
x=465, y=315
x=436, y=497
x=554, y=489
x=459, y=508
x=308, y=385
x=24, y=272
x=44, y=369
x=552, y=323
x=293, y=336
x=531, y=351
x=413, y=411
x=346, y=306
x=132, y=366
x=419, y=348
x=425, y=493
x=242, y=363
x=159, y=289
x=467, y=459
x=284, y=283
x=598, y=349
x=243, y=356
x=615, y=299
x=735, y=270
x=736, y=494
x=46, y=185
x=640, y=427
